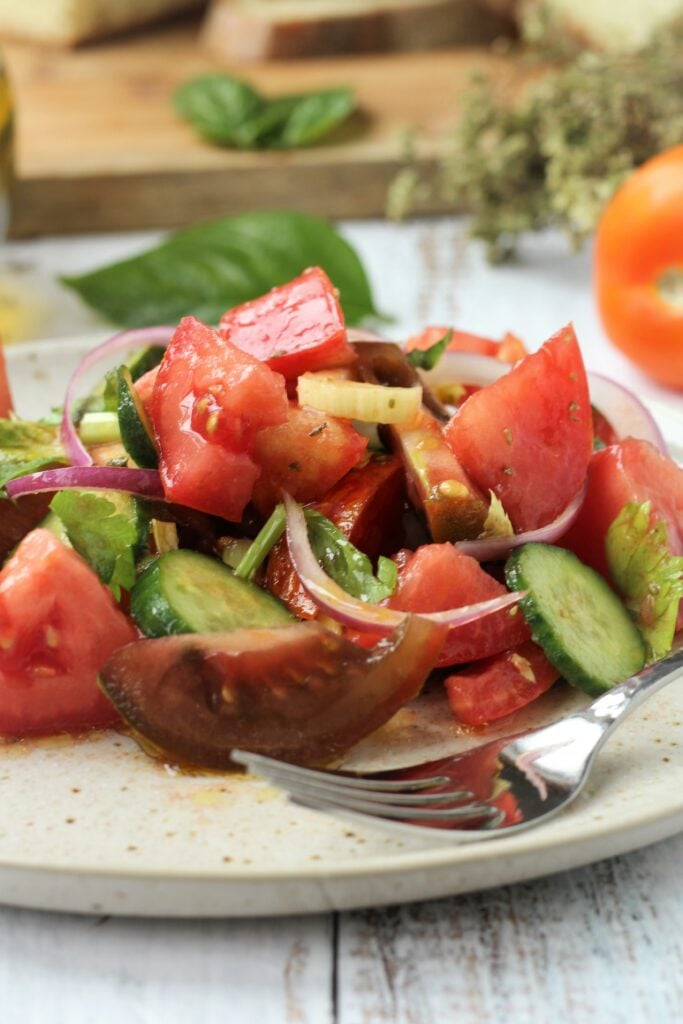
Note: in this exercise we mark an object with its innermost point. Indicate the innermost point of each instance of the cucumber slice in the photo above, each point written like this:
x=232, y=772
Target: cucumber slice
x=584, y=629
x=137, y=435
x=146, y=359
x=186, y=592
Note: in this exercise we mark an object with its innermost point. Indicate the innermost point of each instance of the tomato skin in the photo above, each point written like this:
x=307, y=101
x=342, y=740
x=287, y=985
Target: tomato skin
x=364, y=506
x=294, y=328
x=499, y=686
x=532, y=454
x=300, y=693
x=438, y=486
x=208, y=402
x=58, y=625
x=639, y=240
x=635, y=471
x=508, y=350
x=305, y=456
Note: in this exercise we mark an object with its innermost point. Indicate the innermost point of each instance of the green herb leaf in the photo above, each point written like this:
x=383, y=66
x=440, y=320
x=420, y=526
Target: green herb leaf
x=427, y=358
x=221, y=108
x=230, y=112
x=102, y=536
x=314, y=116
x=27, y=447
x=209, y=268
x=348, y=566
x=647, y=575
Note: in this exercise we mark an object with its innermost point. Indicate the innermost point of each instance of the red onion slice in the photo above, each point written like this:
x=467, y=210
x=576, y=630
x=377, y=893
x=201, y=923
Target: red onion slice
x=465, y=368
x=351, y=611
x=144, y=483
x=493, y=549
x=126, y=341
x=624, y=411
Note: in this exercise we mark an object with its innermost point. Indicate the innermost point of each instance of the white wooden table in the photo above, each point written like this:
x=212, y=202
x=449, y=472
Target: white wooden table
x=603, y=943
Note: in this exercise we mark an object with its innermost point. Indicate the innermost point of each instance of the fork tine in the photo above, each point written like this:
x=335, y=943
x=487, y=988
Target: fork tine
x=470, y=812
x=262, y=765
x=332, y=787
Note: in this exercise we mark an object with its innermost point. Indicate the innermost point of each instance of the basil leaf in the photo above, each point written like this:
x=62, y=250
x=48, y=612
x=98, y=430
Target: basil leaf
x=207, y=269
x=230, y=112
x=221, y=108
x=427, y=358
x=314, y=116
x=102, y=536
x=348, y=566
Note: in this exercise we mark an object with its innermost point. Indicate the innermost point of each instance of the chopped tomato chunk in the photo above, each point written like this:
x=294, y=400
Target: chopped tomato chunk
x=365, y=505
x=304, y=456
x=528, y=437
x=509, y=349
x=631, y=471
x=498, y=686
x=209, y=401
x=437, y=577
x=294, y=328
x=58, y=625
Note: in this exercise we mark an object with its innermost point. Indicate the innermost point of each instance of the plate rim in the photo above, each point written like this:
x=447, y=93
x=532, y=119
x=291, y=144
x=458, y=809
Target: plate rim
x=438, y=854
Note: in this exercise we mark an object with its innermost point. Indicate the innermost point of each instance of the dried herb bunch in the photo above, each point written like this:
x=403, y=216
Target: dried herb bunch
x=558, y=156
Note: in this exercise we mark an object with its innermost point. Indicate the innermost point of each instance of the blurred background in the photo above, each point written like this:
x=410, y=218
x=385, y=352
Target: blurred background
x=121, y=120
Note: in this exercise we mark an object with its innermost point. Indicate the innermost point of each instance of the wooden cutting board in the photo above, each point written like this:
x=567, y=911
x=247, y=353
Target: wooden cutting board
x=99, y=147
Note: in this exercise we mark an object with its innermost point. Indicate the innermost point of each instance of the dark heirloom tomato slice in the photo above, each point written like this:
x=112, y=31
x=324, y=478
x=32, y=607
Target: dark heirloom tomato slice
x=300, y=693
x=454, y=508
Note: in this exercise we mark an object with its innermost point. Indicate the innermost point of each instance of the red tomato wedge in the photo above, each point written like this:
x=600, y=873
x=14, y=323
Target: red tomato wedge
x=499, y=686
x=305, y=456
x=6, y=403
x=294, y=328
x=629, y=471
x=509, y=349
x=529, y=436
x=365, y=505
x=209, y=401
x=301, y=693
x=58, y=625
x=437, y=577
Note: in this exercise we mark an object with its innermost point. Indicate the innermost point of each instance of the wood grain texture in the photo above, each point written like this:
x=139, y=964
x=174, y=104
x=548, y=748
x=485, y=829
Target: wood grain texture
x=58, y=969
x=98, y=145
x=603, y=943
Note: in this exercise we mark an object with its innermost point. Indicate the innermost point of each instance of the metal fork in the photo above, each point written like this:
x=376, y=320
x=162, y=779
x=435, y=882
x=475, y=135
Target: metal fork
x=494, y=790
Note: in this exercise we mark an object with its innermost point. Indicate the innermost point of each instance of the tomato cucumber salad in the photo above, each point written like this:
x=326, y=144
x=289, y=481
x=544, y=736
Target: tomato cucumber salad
x=271, y=535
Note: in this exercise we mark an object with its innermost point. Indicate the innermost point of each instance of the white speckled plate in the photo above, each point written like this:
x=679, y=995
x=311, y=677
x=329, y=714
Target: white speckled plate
x=95, y=826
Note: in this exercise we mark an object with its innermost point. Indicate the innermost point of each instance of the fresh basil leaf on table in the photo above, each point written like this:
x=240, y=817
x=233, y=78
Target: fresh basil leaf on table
x=230, y=112
x=207, y=269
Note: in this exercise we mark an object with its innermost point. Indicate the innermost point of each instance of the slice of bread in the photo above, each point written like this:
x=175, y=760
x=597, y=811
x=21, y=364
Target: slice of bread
x=244, y=30
x=68, y=22
x=619, y=25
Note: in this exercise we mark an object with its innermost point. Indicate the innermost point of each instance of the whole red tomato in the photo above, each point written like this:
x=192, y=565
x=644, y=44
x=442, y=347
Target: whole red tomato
x=639, y=268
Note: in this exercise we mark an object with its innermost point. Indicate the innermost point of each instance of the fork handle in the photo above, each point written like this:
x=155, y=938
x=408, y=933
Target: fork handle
x=621, y=700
